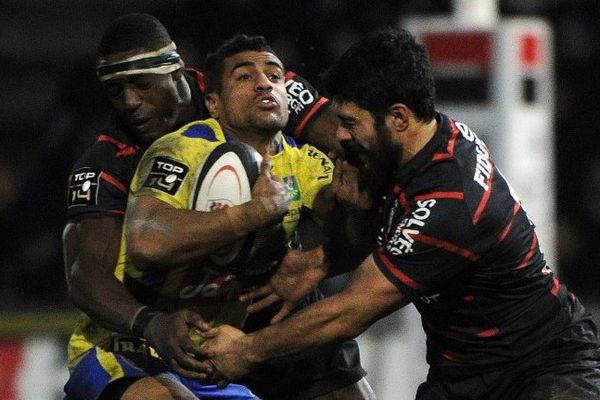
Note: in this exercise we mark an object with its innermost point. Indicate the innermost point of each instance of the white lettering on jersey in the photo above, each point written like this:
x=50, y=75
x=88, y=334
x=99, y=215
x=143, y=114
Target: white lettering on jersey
x=402, y=241
x=483, y=166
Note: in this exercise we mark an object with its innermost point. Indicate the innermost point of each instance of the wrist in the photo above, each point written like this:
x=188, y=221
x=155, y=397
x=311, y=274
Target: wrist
x=250, y=216
x=141, y=319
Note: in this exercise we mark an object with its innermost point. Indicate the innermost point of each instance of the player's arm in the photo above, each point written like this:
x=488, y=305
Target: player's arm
x=91, y=248
x=368, y=297
x=160, y=235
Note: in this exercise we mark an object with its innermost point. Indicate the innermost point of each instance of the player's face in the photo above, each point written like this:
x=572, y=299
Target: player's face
x=253, y=95
x=147, y=104
x=367, y=145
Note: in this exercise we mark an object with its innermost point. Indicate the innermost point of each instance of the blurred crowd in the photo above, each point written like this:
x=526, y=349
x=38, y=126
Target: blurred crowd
x=51, y=107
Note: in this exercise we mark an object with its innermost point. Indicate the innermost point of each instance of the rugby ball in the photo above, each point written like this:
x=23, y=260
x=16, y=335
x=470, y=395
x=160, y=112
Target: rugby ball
x=226, y=179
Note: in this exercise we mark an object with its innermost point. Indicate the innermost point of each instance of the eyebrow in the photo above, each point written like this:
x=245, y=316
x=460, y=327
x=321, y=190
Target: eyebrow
x=253, y=64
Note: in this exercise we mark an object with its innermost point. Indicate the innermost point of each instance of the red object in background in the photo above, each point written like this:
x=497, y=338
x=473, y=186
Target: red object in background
x=530, y=50
x=11, y=356
x=459, y=48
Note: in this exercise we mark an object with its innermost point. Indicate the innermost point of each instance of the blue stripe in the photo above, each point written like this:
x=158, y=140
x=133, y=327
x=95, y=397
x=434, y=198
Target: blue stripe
x=290, y=140
x=201, y=131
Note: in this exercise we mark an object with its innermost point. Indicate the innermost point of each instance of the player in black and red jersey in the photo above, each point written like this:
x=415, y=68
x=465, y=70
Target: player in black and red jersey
x=454, y=240
x=152, y=94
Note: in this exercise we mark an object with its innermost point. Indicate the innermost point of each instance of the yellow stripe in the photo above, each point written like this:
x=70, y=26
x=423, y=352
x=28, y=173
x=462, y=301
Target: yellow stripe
x=109, y=362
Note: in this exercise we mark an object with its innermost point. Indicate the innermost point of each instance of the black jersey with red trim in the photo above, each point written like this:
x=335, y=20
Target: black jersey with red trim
x=457, y=242
x=99, y=181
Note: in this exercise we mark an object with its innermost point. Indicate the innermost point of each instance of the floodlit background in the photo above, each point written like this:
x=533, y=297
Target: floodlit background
x=51, y=108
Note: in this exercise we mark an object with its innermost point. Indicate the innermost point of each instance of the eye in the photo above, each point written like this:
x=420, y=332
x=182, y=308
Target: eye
x=275, y=77
x=244, y=77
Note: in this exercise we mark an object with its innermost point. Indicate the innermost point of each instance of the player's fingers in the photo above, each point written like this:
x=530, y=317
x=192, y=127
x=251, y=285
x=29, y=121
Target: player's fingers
x=201, y=372
x=337, y=174
x=285, y=310
x=256, y=293
x=266, y=165
x=263, y=303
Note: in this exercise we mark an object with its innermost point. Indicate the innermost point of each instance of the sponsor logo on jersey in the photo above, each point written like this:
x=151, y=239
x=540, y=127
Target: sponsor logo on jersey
x=430, y=299
x=299, y=96
x=326, y=163
x=166, y=175
x=403, y=239
x=212, y=284
x=292, y=185
x=83, y=187
x=483, y=165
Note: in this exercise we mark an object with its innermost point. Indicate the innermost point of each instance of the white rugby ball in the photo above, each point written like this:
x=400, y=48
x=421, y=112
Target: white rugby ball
x=226, y=179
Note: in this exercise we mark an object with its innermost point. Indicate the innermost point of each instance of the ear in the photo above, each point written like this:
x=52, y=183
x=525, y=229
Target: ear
x=399, y=114
x=211, y=101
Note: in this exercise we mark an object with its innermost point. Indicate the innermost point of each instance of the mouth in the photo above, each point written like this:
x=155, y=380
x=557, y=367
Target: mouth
x=140, y=124
x=267, y=102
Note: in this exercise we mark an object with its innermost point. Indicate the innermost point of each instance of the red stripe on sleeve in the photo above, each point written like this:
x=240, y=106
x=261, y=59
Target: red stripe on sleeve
x=405, y=279
x=441, y=195
x=452, y=248
x=105, y=176
x=316, y=107
x=124, y=148
x=488, y=333
x=530, y=252
x=484, y=200
x=507, y=228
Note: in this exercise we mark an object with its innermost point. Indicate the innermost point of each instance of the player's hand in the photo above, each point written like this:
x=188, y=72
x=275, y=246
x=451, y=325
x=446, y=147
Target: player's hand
x=271, y=191
x=169, y=335
x=345, y=186
x=299, y=273
x=224, y=349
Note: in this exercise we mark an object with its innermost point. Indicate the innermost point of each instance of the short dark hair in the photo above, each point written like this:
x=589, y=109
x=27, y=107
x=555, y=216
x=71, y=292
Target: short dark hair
x=383, y=68
x=215, y=61
x=136, y=31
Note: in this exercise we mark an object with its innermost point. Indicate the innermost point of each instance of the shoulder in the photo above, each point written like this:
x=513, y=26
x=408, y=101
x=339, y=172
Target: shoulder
x=110, y=152
x=185, y=148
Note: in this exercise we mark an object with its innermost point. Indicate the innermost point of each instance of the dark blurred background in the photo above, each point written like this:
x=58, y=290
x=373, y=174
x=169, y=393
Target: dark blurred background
x=51, y=108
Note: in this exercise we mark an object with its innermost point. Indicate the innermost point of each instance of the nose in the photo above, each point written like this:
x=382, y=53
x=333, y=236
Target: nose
x=131, y=98
x=342, y=134
x=263, y=83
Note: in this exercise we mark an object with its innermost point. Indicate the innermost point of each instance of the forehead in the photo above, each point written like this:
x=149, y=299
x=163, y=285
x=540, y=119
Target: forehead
x=351, y=110
x=252, y=59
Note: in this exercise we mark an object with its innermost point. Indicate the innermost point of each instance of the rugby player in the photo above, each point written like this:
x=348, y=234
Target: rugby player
x=454, y=240
x=152, y=93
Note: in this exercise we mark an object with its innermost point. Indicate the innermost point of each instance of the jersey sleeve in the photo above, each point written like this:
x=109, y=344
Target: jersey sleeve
x=432, y=243
x=315, y=172
x=304, y=103
x=98, y=185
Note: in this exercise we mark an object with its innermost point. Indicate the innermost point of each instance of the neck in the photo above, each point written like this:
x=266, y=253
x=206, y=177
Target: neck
x=262, y=142
x=418, y=138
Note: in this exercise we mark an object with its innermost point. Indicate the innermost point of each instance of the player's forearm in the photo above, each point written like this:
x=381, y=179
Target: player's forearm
x=160, y=236
x=106, y=300
x=333, y=319
x=91, y=249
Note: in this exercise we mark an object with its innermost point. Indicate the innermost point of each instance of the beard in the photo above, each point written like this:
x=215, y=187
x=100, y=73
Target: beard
x=376, y=167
